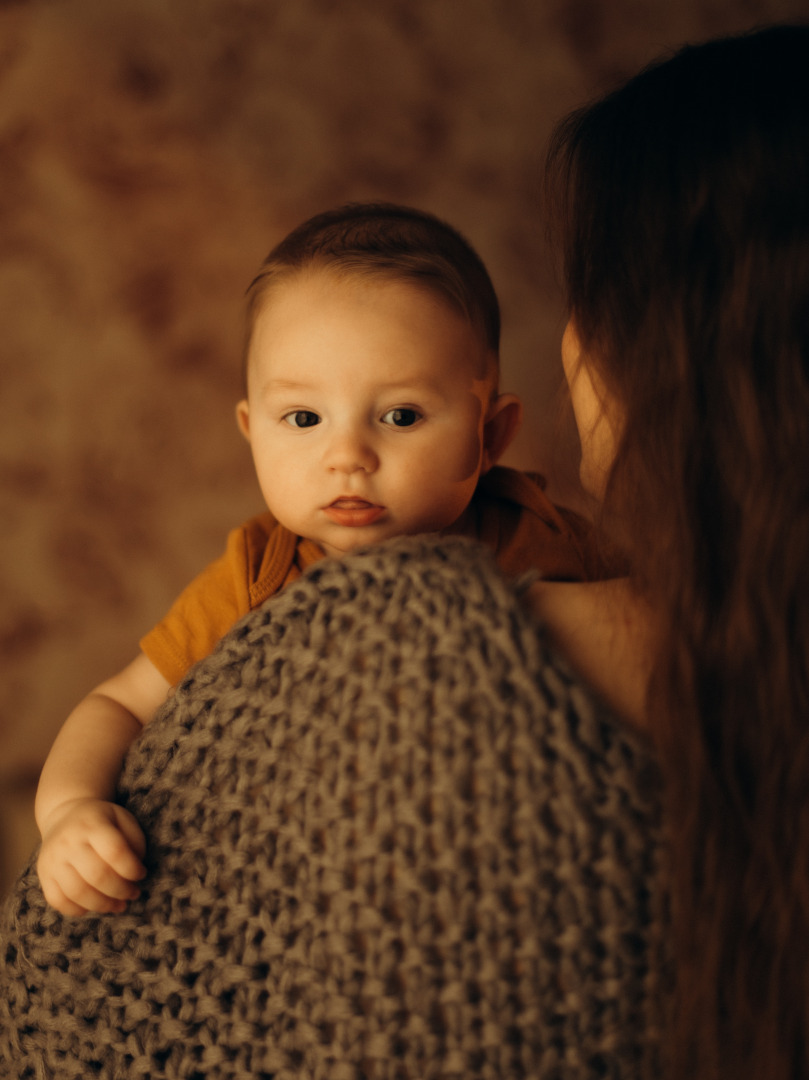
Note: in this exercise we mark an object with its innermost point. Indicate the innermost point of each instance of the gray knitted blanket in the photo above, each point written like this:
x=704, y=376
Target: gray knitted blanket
x=390, y=836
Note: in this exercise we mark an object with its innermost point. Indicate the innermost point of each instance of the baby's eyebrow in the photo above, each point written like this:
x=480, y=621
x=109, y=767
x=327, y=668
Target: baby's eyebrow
x=270, y=385
x=397, y=386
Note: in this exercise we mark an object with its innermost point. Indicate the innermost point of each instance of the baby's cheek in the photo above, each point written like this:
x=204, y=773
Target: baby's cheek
x=464, y=463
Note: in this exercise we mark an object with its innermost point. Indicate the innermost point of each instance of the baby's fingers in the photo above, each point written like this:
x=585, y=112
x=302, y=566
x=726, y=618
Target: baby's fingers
x=80, y=883
x=113, y=848
x=57, y=898
x=72, y=895
x=131, y=830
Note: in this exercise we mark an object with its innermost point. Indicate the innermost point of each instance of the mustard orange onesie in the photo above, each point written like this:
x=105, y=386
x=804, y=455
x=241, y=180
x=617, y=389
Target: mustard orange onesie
x=509, y=512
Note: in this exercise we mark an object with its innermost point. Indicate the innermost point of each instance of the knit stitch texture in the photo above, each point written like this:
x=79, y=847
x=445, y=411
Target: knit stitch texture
x=390, y=836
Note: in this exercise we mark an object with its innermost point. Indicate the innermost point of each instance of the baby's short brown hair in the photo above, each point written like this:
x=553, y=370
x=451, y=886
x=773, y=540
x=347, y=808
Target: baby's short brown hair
x=388, y=240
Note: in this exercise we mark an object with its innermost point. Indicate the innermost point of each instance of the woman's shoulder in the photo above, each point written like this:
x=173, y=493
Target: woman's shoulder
x=607, y=635
x=429, y=768
x=427, y=635
x=383, y=789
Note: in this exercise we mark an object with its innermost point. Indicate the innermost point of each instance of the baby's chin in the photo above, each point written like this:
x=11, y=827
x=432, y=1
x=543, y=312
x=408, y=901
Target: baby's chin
x=343, y=548
x=368, y=538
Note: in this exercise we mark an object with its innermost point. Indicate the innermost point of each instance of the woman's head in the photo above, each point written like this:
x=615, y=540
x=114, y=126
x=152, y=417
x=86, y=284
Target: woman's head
x=682, y=200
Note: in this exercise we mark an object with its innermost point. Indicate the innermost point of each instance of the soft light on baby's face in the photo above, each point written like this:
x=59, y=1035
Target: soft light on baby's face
x=366, y=407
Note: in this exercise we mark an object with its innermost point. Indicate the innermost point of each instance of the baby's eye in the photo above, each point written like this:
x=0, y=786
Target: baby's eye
x=302, y=418
x=401, y=417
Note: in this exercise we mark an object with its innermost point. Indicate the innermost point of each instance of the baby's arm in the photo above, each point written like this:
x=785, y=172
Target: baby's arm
x=92, y=848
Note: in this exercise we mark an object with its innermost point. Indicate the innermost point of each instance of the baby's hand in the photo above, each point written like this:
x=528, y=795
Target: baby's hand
x=91, y=857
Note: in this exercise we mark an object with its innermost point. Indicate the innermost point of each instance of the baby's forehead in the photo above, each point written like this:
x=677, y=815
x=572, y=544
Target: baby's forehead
x=301, y=285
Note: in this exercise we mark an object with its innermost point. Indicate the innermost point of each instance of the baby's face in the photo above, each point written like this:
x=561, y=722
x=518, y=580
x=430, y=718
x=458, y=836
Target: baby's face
x=365, y=410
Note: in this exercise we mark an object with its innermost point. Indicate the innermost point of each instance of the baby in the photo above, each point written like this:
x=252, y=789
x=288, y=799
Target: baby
x=372, y=411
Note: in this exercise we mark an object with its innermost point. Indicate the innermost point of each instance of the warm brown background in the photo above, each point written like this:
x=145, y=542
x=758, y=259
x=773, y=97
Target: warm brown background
x=151, y=153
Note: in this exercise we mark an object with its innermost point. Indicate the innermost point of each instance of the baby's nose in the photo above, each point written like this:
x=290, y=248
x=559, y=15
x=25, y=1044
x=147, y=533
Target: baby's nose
x=351, y=451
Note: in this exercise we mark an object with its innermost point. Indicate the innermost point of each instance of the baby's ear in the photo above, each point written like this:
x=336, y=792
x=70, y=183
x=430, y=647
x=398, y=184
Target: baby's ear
x=503, y=419
x=243, y=418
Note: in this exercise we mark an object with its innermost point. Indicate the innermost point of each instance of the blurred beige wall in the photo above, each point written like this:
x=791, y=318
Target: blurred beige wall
x=150, y=154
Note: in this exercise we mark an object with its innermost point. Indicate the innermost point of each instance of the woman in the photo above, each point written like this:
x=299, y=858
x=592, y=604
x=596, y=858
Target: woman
x=406, y=838
x=683, y=206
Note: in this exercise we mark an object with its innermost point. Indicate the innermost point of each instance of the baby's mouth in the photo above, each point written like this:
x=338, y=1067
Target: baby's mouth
x=353, y=512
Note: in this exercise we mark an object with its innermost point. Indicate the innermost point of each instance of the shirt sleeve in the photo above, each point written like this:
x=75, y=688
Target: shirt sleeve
x=205, y=611
x=526, y=531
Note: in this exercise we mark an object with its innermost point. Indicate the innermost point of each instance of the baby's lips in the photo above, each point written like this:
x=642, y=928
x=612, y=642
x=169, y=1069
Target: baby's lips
x=353, y=513
x=351, y=503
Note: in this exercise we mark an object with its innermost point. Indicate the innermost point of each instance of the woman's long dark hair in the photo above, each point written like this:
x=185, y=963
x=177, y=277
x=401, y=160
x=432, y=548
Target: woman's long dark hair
x=683, y=205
